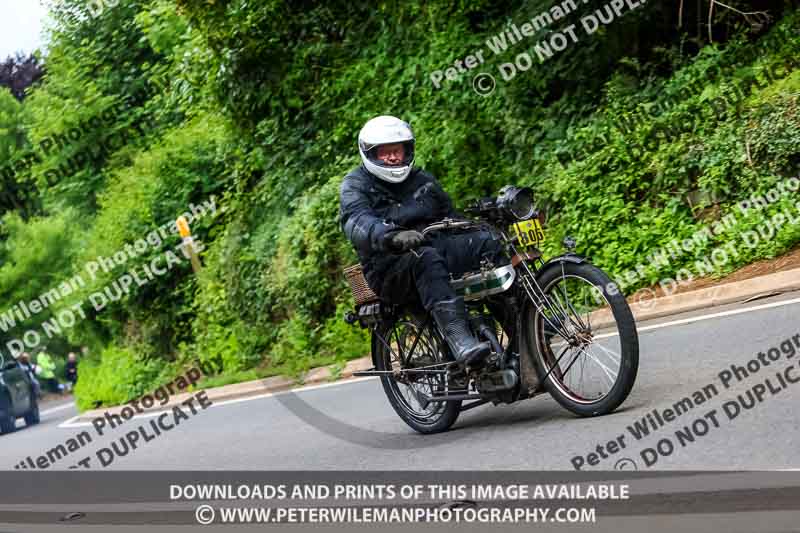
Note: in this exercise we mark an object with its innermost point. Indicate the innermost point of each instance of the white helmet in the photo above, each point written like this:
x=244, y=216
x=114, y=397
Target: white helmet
x=386, y=130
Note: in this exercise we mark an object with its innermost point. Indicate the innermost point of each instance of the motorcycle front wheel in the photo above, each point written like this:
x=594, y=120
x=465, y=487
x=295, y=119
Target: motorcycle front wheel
x=392, y=344
x=583, y=338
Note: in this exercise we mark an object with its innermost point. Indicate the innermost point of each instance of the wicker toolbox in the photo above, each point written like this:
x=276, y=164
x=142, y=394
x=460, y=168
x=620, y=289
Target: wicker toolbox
x=362, y=294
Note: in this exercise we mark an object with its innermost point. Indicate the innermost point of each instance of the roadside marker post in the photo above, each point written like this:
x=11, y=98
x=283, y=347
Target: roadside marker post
x=188, y=244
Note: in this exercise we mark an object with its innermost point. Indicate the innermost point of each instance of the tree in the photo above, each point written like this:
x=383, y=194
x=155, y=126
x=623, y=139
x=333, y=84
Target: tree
x=20, y=72
x=15, y=195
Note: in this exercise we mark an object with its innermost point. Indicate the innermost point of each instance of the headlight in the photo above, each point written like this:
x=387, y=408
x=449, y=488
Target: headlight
x=517, y=201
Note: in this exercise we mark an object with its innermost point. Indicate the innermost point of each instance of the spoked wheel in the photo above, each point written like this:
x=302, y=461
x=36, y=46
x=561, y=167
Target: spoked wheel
x=411, y=346
x=585, y=339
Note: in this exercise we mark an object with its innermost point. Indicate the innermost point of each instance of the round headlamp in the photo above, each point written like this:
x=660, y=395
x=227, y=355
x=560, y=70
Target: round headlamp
x=518, y=201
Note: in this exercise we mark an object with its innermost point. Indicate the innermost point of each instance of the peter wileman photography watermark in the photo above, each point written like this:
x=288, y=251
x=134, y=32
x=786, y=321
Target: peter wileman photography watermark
x=719, y=256
x=766, y=362
x=133, y=439
x=647, y=116
x=722, y=255
x=97, y=7
x=137, y=277
x=97, y=151
x=544, y=48
x=331, y=502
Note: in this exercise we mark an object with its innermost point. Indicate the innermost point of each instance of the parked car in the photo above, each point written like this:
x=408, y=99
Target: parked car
x=17, y=397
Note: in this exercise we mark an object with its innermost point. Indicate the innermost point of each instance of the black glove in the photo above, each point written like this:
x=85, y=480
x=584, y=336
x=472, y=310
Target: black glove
x=400, y=241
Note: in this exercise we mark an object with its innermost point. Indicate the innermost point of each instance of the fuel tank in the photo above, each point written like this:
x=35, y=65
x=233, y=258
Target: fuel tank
x=476, y=285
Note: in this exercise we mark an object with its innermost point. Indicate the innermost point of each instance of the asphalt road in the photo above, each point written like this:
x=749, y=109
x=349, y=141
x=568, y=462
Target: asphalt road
x=350, y=426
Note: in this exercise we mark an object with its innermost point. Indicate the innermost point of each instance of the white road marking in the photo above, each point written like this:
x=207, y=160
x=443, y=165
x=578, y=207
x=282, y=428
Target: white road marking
x=301, y=389
x=57, y=409
x=721, y=314
x=66, y=423
x=71, y=424
x=706, y=317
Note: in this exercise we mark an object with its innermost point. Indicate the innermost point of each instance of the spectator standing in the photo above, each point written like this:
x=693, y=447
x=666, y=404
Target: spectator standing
x=47, y=372
x=71, y=370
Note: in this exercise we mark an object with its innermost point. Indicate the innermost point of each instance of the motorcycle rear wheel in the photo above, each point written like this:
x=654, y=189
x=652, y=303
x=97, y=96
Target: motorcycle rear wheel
x=402, y=391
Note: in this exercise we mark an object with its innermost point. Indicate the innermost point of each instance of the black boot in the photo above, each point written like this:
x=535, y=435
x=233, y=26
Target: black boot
x=451, y=317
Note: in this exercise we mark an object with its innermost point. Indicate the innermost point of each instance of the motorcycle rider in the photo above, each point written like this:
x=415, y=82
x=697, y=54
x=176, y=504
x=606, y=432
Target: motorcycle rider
x=384, y=204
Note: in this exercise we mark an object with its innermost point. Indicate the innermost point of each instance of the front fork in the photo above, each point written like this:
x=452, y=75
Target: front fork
x=551, y=309
x=543, y=304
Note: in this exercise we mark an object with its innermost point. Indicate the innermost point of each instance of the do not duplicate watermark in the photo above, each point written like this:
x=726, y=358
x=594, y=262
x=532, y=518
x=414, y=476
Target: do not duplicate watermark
x=767, y=361
x=544, y=47
x=136, y=437
x=113, y=291
x=719, y=256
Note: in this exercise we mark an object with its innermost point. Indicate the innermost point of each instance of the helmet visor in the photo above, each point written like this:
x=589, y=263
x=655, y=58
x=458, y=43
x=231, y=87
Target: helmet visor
x=391, y=155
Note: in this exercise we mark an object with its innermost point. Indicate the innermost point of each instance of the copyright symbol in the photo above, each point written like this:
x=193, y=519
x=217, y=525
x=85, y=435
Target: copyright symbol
x=483, y=84
x=204, y=515
x=625, y=464
x=646, y=303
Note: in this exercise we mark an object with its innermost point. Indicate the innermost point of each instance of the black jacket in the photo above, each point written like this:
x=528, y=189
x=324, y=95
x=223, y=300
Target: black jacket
x=370, y=209
x=71, y=370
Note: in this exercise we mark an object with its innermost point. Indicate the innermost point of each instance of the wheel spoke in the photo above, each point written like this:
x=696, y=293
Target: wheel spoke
x=566, y=298
x=564, y=372
x=612, y=376
x=597, y=371
x=399, y=346
x=617, y=358
x=416, y=347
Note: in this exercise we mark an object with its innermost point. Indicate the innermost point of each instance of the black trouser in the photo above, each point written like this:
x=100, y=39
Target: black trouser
x=422, y=275
x=52, y=385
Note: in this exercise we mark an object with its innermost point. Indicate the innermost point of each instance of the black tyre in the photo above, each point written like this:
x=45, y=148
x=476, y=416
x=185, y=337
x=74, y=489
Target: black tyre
x=7, y=422
x=32, y=416
x=402, y=392
x=586, y=326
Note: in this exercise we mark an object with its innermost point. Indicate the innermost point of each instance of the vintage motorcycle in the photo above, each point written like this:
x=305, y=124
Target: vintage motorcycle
x=559, y=326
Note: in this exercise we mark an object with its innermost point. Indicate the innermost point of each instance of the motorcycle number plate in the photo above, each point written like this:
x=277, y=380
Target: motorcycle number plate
x=529, y=232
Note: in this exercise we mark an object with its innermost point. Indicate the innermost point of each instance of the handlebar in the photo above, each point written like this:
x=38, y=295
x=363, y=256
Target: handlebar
x=449, y=223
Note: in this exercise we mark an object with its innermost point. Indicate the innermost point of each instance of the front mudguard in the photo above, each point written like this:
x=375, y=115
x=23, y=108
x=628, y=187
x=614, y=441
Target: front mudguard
x=556, y=262
x=568, y=257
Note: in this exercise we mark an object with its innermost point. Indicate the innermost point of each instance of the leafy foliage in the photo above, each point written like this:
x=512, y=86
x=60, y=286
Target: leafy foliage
x=259, y=105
